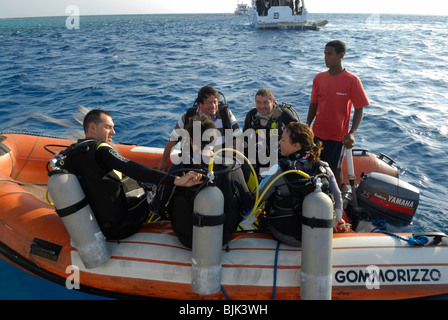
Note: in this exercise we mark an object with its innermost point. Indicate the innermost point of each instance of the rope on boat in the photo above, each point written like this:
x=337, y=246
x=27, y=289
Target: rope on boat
x=419, y=240
x=224, y=293
x=275, y=270
x=18, y=182
x=32, y=134
x=277, y=249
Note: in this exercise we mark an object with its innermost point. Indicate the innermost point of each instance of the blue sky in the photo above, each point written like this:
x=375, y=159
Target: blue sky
x=33, y=8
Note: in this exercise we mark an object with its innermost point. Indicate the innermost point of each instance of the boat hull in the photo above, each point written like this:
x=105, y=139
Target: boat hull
x=293, y=25
x=281, y=17
x=154, y=264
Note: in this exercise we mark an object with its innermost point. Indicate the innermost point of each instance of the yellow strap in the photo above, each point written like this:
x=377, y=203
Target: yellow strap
x=104, y=144
x=252, y=183
x=118, y=173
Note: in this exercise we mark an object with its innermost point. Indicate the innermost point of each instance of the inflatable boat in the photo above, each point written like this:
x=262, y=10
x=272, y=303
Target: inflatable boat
x=153, y=263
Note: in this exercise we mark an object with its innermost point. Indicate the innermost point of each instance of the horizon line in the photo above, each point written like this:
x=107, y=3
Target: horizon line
x=209, y=13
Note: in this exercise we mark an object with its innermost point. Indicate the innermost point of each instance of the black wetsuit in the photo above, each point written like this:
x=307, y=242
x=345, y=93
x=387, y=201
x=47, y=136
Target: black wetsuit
x=229, y=180
x=110, y=183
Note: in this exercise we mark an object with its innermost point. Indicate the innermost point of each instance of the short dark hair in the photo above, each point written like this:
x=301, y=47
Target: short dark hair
x=338, y=45
x=265, y=92
x=93, y=116
x=205, y=92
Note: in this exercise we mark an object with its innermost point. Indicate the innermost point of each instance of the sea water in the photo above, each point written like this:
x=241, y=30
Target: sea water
x=146, y=70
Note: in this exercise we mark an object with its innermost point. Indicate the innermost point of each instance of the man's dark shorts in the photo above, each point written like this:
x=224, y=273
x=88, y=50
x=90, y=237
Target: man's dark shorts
x=332, y=152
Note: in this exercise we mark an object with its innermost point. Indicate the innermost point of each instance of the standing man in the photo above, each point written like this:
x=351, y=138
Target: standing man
x=207, y=104
x=333, y=94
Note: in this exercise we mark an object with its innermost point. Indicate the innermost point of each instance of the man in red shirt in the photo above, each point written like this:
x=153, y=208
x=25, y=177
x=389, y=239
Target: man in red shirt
x=333, y=94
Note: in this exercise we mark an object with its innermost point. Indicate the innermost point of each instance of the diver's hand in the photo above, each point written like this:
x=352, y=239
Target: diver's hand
x=190, y=179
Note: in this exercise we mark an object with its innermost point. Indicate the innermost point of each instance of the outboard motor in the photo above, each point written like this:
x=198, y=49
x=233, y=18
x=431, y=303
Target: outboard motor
x=381, y=196
x=78, y=218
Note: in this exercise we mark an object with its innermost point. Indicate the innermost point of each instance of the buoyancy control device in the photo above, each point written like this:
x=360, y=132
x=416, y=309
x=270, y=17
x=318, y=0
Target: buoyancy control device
x=284, y=212
x=381, y=196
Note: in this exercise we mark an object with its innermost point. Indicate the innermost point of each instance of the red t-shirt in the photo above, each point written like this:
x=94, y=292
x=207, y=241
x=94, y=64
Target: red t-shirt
x=335, y=96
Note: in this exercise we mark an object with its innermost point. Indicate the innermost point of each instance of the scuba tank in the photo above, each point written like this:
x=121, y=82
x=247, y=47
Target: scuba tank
x=317, y=245
x=206, y=256
x=77, y=216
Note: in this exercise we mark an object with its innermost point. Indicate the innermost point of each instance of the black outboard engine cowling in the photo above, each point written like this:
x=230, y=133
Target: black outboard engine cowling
x=381, y=196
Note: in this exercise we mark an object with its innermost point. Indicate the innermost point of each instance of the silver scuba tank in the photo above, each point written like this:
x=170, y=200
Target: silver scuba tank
x=76, y=214
x=317, y=245
x=206, y=257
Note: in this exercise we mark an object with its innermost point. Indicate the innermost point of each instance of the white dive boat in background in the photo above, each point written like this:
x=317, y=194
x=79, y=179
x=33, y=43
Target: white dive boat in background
x=241, y=9
x=282, y=14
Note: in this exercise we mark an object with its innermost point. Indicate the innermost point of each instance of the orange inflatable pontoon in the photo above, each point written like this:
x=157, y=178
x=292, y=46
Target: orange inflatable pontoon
x=154, y=264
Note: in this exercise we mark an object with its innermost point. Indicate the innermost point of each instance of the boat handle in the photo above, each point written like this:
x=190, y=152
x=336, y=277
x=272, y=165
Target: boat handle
x=384, y=156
